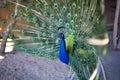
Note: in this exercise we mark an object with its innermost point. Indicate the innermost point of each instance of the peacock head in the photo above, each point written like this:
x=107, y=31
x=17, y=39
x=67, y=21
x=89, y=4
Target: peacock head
x=61, y=36
x=61, y=33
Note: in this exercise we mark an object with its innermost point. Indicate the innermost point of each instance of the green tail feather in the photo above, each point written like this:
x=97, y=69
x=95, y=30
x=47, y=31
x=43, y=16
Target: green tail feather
x=38, y=30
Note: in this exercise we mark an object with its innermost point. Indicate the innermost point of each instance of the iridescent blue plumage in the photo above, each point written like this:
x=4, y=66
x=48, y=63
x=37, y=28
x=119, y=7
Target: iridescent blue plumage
x=63, y=54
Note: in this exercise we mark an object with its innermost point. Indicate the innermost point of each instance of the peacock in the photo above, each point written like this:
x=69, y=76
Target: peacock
x=72, y=30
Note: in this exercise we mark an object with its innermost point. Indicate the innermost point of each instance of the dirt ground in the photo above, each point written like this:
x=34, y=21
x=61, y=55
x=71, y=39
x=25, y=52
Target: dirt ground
x=23, y=66
x=112, y=64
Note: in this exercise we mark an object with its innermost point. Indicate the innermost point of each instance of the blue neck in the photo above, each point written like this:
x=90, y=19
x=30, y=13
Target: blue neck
x=63, y=55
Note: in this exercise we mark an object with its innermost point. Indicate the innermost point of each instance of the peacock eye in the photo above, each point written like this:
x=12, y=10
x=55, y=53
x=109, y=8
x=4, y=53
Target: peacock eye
x=23, y=32
x=12, y=15
x=11, y=4
x=34, y=19
x=67, y=25
x=47, y=42
x=60, y=21
x=28, y=18
x=69, y=16
x=20, y=11
x=52, y=35
x=10, y=36
x=11, y=27
x=36, y=25
x=3, y=7
x=51, y=16
x=55, y=6
x=75, y=16
x=45, y=14
x=37, y=5
x=4, y=22
x=74, y=5
x=46, y=6
x=64, y=9
x=27, y=9
x=72, y=22
x=44, y=24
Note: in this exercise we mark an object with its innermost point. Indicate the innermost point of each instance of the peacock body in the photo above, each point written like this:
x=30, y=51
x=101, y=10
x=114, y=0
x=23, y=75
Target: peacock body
x=41, y=25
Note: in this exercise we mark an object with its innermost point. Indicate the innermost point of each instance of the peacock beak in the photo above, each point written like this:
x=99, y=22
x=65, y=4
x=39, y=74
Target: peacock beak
x=58, y=39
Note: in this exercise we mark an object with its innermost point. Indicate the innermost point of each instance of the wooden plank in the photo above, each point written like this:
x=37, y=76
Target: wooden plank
x=116, y=24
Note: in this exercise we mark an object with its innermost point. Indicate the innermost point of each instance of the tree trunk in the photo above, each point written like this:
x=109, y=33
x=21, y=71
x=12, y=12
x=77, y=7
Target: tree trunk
x=4, y=39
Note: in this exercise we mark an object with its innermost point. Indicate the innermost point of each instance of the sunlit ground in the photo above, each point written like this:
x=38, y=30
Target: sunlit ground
x=9, y=45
